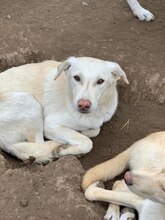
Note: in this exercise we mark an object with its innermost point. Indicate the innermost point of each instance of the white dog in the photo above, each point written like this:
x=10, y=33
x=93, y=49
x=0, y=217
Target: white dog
x=70, y=109
x=145, y=182
x=139, y=11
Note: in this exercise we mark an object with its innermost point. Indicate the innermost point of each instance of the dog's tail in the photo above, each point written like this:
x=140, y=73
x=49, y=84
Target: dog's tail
x=107, y=170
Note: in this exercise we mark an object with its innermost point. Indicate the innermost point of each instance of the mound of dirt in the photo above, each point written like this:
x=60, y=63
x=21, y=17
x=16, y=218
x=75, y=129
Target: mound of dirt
x=45, y=192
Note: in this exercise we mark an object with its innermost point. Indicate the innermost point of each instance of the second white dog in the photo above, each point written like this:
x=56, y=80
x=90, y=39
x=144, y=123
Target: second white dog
x=144, y=185
x=66, y=102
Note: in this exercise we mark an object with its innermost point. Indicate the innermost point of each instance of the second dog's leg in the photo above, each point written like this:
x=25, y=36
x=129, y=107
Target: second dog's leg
x=113, y=211
x=139, y=11
x=129, y=199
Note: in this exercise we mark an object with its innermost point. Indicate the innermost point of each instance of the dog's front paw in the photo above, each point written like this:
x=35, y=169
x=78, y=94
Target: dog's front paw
x=113, y=212
x=127, y=214
x=111, y=215
x=91, y=191
x=57, y=152
x=143, y=14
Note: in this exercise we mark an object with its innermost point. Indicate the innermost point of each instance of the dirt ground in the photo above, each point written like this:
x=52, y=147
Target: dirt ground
x=32, y=31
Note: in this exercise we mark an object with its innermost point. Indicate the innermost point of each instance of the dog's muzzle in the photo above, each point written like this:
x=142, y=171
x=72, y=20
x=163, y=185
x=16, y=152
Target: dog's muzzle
x=84, y=105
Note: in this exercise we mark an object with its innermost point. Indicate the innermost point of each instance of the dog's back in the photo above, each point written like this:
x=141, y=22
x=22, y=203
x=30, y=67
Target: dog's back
x=27, y=78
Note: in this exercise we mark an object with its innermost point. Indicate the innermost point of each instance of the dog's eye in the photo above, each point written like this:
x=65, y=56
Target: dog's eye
x=77, y=78
x=100, y=81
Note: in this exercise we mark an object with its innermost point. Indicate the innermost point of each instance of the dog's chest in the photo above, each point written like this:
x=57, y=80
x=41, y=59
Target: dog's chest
x=152, y=211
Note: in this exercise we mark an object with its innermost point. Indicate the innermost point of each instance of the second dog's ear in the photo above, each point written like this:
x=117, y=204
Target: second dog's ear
x=65, y=66
x=117, y=72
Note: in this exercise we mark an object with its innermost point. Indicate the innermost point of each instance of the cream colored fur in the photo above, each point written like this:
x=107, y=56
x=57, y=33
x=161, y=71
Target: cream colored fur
x=41, y=100
x=146, y=160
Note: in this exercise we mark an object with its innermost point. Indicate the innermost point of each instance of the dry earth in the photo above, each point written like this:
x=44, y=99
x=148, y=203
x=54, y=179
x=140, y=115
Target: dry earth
x=32, y=31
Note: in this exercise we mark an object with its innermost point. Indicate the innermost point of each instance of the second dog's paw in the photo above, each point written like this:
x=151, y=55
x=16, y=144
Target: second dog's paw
x=111, y=216
x=113, y=212
x=143, y=14
x=96, y=184
x=91, y=191
x=99, y=184
x=128, y=216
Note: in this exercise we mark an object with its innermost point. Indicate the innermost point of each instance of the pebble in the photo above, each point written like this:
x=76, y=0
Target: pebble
x=9, y=172
x=24, y=202
x=8, y=16
x=85, y=4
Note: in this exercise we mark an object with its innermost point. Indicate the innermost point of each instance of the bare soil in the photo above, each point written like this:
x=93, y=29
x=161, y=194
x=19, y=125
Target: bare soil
x=32, y=31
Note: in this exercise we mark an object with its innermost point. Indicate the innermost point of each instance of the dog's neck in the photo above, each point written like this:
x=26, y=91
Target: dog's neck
x=151, y=210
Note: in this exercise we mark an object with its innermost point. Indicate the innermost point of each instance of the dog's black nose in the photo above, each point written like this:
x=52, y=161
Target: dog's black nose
x=128, y=178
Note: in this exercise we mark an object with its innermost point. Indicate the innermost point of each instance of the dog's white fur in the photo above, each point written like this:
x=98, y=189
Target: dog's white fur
x=146, y=193
x=140, y=12
x=40, y=100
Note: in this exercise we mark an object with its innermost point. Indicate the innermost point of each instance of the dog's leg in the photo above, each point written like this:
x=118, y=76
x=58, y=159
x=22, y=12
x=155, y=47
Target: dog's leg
x=91, y=132
x=42, y=152
x=113, y=212
x=75, y=143
x=139, y=11
x=128, y=214
x=129, y=199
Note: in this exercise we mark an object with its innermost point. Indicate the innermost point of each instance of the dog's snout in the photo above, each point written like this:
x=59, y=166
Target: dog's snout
x=84, y=105
x=128, y=178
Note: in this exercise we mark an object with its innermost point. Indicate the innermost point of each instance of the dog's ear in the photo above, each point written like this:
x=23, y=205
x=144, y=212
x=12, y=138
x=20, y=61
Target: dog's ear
x=117, y=72
x=65, y=66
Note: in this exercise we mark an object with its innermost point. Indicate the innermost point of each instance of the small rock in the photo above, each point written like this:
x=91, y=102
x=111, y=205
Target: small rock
x=24, y=202
x=8, y=16
x=9, y=172
x=84, y=4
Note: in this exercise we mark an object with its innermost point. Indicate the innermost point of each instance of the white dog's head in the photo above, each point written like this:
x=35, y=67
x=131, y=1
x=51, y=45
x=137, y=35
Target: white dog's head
x=90, y=79
x=147, y=185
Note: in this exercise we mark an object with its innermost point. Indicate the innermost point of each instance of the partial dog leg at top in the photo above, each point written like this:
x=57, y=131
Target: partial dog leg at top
x=139, y=11
x=21, y=120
